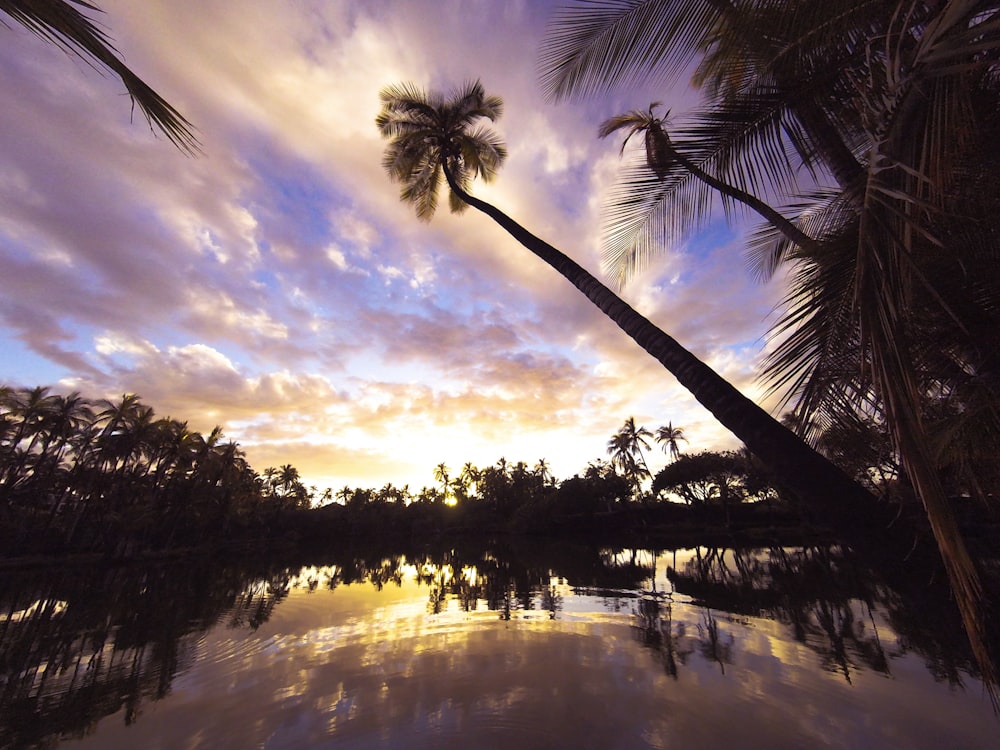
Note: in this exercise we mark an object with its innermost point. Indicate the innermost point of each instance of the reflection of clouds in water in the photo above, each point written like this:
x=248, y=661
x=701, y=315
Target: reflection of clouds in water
x=475, y=680
x=338, y=664
x=401, y=676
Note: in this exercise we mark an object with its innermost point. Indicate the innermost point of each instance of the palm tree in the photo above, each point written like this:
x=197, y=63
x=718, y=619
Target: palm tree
x=460, y=487
x=621, y=456
x=269, y=481
x=441, y=475
x=625, y=448
x=668, y=436
x=66, y=24
x=543, y=471
x=637, y=437
x=114, y=443
x=71, y=413
x=31, y=411
x=171, y=459
x=659, y=150
x=434, y=139
x=469, y=476
x=892, y=309
x=288, y=479
x=632, y=226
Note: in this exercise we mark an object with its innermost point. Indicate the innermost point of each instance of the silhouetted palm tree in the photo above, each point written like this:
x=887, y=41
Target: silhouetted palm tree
x=631, y=224
x=625, y=448
x=288, y=478
x=441, y=475
x=544, y=472
x=668, y=436
x=469, y=476
x=434, y=139
x=29, y=413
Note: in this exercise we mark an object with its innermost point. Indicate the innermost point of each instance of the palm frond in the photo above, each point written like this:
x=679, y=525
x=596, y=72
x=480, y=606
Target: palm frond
x=483, y=152
x=645, y=216
x=471, y=103
x=821, y=214
x=634, y=120
x=65, y=24
x=593, y=45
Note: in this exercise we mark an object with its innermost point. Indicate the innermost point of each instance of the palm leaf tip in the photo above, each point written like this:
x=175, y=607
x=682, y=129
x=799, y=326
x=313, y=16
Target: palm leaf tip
x=162, y=116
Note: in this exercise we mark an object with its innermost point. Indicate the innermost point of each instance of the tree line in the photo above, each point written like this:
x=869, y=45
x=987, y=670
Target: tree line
x=110, y=475
x=695, y=493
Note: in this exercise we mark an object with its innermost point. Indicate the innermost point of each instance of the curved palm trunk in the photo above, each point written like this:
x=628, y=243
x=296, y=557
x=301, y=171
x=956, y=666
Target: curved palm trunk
x=777, y=220
x=869, y=526
x=817, y=482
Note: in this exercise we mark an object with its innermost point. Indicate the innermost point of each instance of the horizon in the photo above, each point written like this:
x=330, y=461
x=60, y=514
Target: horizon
x=276, y=286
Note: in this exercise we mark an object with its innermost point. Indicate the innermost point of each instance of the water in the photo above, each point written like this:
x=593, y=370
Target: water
x=533, y=648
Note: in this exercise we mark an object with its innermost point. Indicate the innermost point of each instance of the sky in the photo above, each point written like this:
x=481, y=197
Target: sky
x=275, y=285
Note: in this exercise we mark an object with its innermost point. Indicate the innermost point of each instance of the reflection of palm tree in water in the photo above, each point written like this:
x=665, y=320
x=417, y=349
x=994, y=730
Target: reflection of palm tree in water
x=551, y=599
x=810, y=590
x=714, y=647
x=468, y=595
x=655, y=628
x=497, y=589
x=436, y=578
x=829, y=624
x=873, y=651
x=845, y=635
x=836, y=622
x=498, y=597
x=255, y=604
x=502, y=587
x=436, y=597
x=655, y=613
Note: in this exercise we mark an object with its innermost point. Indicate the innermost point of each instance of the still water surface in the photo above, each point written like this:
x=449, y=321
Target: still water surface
x=698, y=648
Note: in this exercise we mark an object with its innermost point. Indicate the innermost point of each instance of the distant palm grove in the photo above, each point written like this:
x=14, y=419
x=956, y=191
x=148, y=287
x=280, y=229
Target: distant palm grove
x=110, y=477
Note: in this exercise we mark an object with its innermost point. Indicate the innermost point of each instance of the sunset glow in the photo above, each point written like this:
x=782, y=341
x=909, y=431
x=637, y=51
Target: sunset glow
x=275, y=285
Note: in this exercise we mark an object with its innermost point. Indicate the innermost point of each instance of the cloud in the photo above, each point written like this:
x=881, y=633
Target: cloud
x=277, y=286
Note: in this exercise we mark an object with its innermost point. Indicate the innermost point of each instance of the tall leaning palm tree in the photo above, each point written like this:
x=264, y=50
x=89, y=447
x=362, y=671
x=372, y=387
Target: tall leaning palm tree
x=893, y=313
x=66, y=24
x=435, y=139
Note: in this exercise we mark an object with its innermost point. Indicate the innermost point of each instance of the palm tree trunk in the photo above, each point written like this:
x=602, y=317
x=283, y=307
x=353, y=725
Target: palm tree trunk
x=774, y=218
x=870, y=526
x=820, y=485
